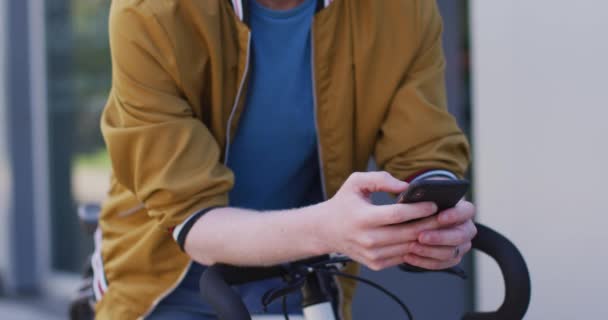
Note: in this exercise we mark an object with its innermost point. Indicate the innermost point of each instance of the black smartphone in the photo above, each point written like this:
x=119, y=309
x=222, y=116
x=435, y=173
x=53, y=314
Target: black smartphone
x=444, y=193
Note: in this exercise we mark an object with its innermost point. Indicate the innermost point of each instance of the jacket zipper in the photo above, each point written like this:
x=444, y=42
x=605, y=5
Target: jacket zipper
x=236, y=100
x=232, y=112
x=315, y=107
x=319, y=150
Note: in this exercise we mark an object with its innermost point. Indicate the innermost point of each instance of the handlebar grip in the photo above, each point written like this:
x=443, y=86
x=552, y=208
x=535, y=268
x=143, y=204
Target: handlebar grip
x=219, y=295
x=514, y=271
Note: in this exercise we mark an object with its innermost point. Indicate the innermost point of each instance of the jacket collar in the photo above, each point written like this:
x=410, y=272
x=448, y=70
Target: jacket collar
x=241, y=7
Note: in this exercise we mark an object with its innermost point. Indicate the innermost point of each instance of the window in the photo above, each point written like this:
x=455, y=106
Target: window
x=79, y=75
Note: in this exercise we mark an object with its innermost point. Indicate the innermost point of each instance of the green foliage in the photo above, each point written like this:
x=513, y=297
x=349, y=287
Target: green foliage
x=98, y=159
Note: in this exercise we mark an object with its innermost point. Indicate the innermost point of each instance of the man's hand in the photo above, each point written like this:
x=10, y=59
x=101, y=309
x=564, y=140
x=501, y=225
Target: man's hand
x=349, y=223
x=444, y=247
x=374, y=235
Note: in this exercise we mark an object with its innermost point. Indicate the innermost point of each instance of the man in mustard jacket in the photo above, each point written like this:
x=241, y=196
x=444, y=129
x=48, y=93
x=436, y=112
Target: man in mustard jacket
x=237, y=129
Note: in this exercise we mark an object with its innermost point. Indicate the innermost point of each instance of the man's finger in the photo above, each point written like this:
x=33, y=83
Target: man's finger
x=396, y=233
x=388, y=252
x=377, y=181
x=390, y=235
x=462, y=212
x=393, y=234
x=442, y=253
x=454, y=236
x=400, y=213
x=430, y=264
x=391, y=262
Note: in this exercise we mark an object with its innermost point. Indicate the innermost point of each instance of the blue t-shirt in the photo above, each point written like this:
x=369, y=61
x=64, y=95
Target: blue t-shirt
x=274, y=153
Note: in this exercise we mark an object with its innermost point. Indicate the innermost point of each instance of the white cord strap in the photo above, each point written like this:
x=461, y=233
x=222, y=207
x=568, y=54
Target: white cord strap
x=238, y=8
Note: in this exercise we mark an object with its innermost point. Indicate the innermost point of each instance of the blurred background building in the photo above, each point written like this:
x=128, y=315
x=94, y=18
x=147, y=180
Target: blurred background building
x=532, y=100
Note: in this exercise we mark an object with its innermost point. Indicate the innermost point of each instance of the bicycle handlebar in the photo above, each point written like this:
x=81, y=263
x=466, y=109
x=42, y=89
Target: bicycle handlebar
x=514, y=272
x=220, y=296
x=216, y=280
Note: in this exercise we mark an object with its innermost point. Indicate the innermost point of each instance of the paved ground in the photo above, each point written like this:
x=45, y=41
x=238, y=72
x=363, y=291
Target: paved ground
x=30, y=309
x=36, y=310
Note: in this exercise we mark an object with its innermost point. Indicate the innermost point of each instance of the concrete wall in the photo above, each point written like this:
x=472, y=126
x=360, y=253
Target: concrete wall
x=540, y=130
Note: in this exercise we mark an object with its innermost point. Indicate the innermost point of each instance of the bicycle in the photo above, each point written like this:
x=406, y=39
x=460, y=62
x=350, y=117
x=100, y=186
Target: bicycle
x=309, y=275
x=316, y=304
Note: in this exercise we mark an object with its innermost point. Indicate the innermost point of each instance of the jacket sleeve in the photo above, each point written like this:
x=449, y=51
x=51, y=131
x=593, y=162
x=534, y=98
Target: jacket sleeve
x=418, y=133
x=159, y=150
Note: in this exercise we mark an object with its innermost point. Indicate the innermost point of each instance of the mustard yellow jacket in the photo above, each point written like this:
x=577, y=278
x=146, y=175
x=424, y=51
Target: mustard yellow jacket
x=180, y=72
